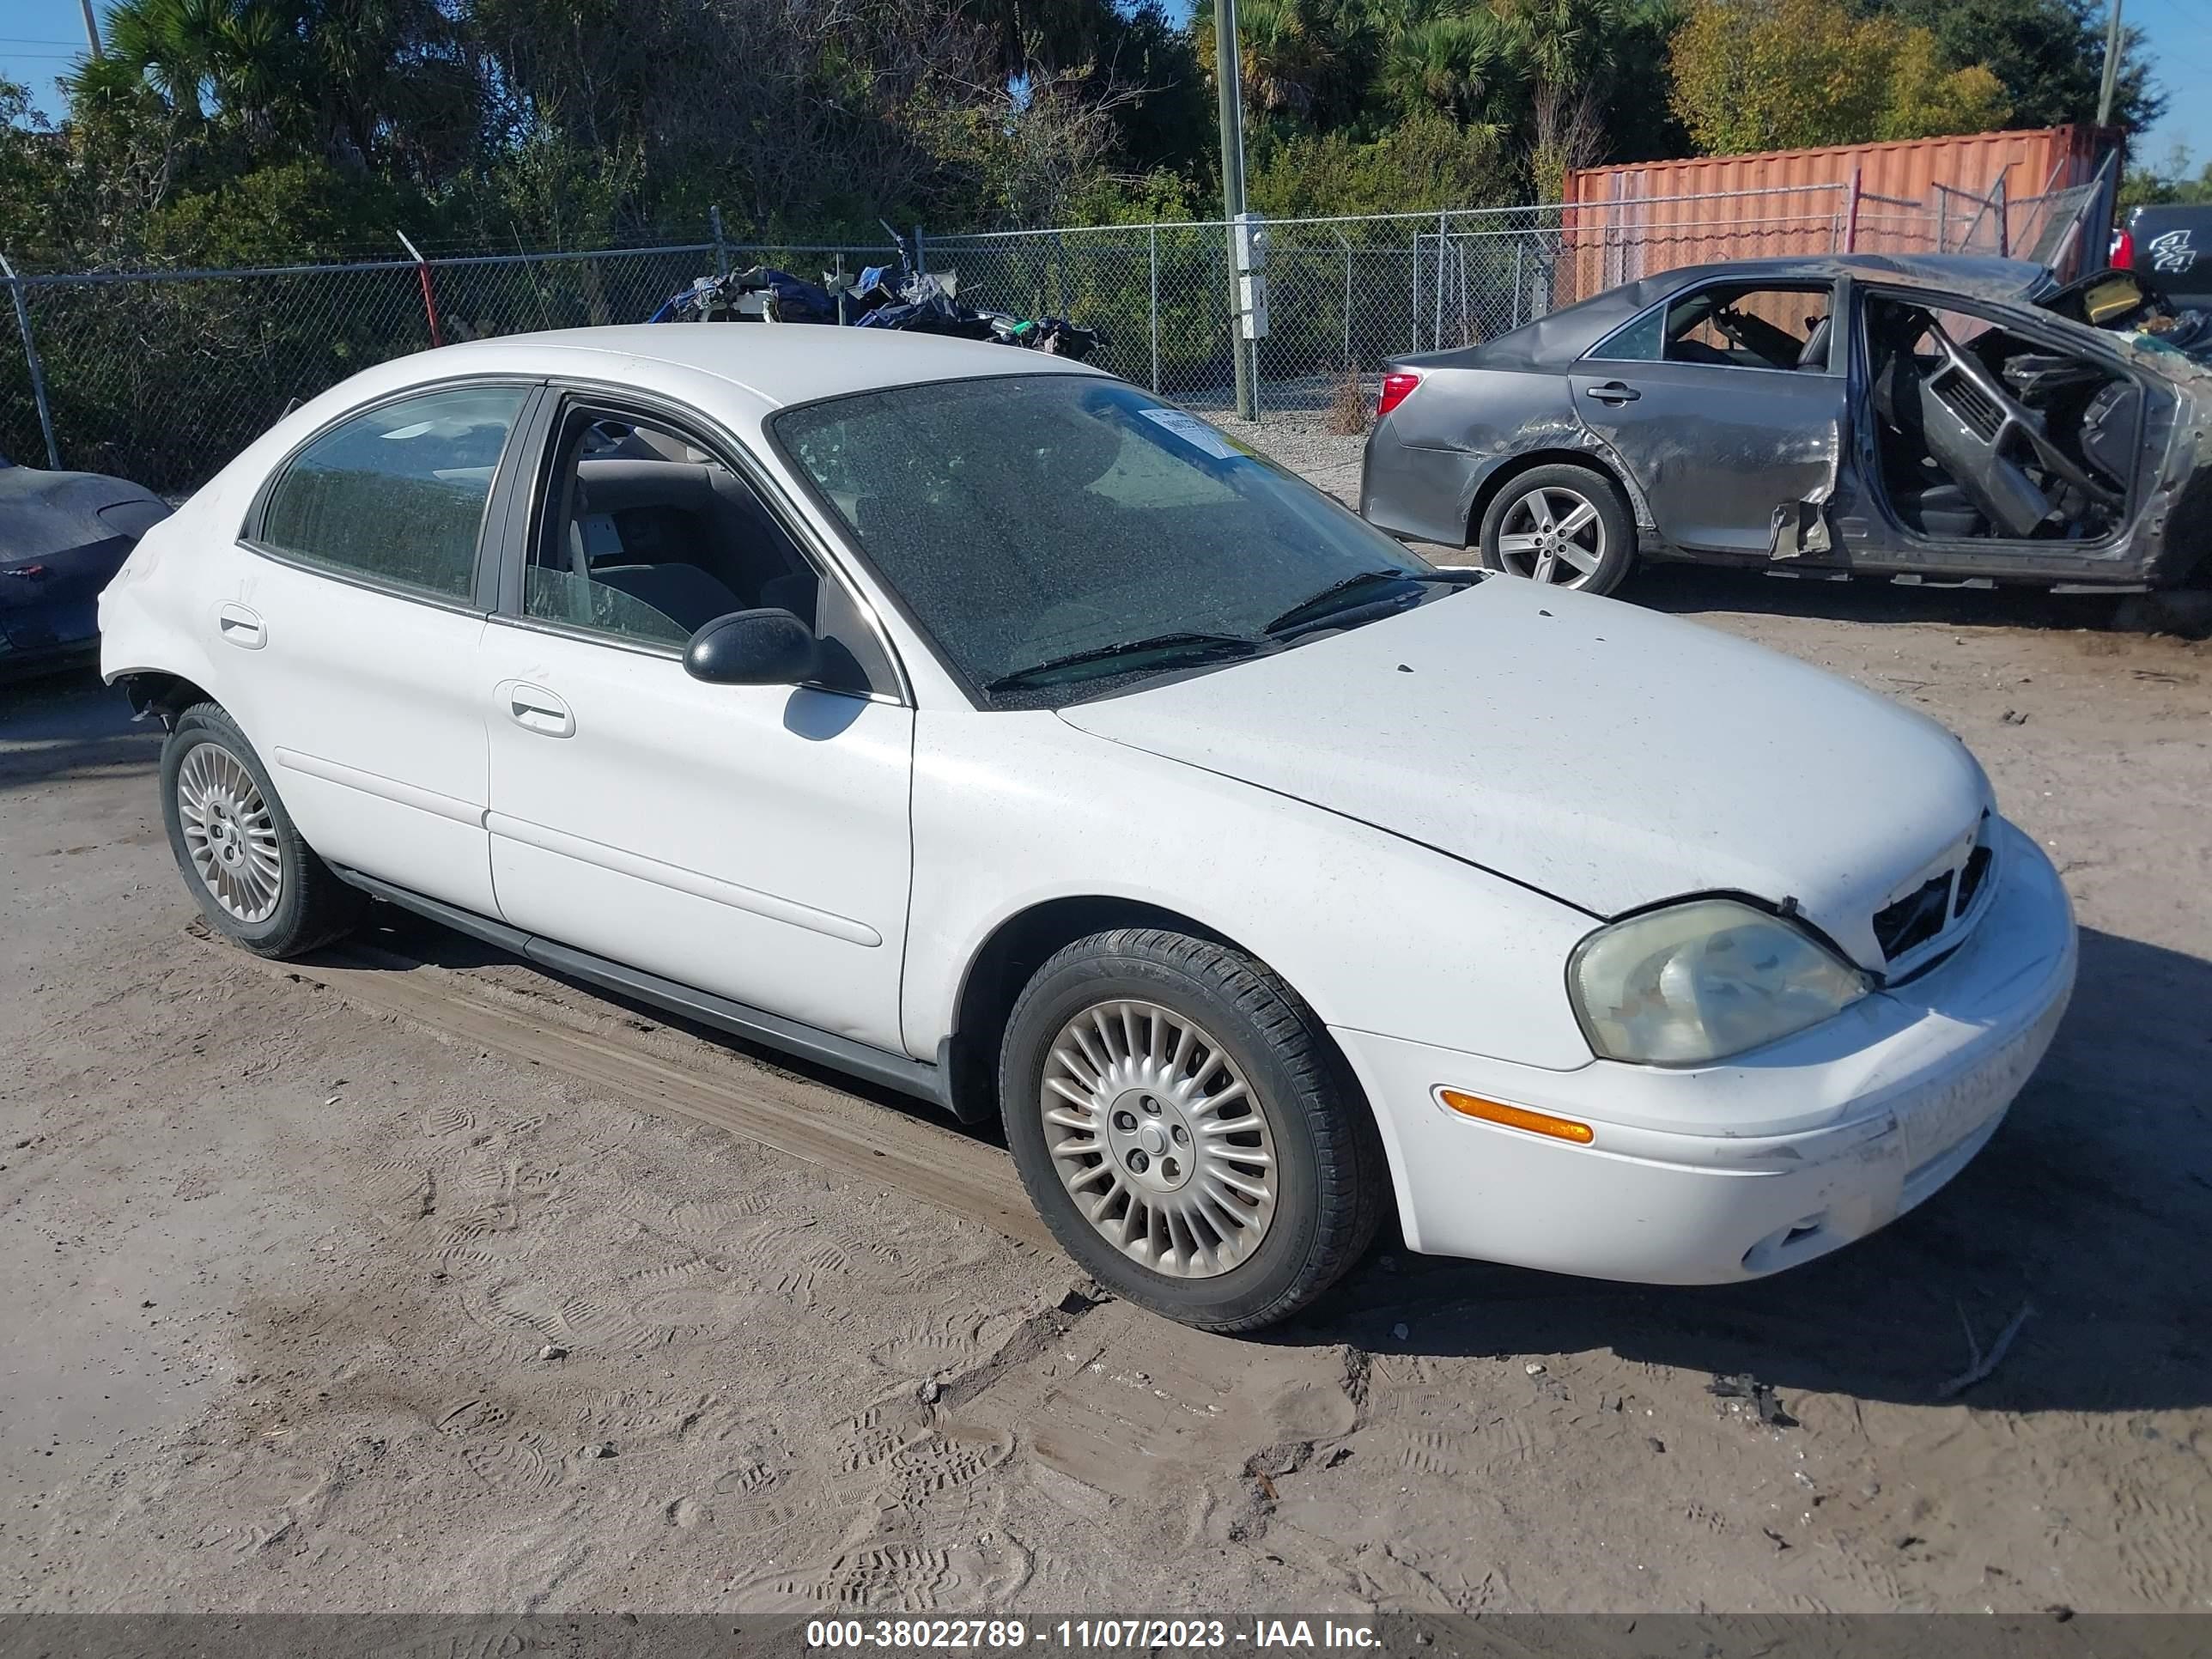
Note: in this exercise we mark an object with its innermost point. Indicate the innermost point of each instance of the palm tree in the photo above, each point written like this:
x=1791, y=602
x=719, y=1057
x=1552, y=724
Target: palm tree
x=1288, y=56
x=355, y=80
x=1465, y=62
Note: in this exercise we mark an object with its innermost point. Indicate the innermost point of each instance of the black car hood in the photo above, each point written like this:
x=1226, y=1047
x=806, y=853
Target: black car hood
x=43, y=514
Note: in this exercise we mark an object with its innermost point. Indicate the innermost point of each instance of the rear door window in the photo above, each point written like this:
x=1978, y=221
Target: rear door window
x=396, y=495
x=1731, y=325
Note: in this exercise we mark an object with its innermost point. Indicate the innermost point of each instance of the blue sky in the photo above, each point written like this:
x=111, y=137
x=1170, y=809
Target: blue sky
x=40, y=38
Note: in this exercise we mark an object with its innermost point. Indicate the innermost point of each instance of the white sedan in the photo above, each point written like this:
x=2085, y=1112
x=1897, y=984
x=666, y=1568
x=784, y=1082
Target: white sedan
x=973, y=721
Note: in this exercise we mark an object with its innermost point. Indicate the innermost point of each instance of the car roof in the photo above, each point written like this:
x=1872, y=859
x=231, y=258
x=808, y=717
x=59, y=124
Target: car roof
x=1984, y=276
x=778, y=363
x=1565, y=334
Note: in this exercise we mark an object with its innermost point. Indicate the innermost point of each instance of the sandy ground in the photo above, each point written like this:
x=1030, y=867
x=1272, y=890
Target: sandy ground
x=313, y=1302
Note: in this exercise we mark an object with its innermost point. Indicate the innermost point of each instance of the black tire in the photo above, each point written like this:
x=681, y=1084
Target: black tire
x=312, y=906
x=1328, y=1157
x=1615, y=518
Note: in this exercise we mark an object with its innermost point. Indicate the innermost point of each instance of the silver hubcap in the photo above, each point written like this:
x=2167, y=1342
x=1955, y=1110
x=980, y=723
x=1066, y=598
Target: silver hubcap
x=230, y=833
x=1159, y=1139
x=1552, y=535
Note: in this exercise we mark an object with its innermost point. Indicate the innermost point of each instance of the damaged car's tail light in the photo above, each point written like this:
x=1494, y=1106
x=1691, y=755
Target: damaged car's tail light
x=2124, y=250
x=1397, y=386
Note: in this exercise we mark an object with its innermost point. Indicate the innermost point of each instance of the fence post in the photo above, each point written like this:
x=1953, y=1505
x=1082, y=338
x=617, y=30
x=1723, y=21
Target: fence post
x=1346, y=242
x=1942, y=221
x=2004, y=218
x=1154, y=231
x=31, y=362
x=722, y=253
x=1417, y=291
x=429, y=298
x=1437, y=336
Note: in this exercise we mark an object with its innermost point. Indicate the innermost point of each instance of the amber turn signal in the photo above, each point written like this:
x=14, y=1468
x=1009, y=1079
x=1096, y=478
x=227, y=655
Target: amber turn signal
x=1517, y=1117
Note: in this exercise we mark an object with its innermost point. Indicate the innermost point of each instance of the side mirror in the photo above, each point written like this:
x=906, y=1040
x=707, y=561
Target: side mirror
x=754, y=647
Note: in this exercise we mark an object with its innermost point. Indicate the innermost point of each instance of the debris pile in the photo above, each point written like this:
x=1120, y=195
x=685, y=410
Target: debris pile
x=903, y=297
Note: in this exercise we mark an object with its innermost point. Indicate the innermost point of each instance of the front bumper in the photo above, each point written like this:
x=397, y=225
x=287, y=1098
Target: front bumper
x=1733, y=1171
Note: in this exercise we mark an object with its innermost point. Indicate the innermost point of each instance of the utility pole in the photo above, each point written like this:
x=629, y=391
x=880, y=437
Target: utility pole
x=2111, y=67
x=1228, y=74
x=91, y=30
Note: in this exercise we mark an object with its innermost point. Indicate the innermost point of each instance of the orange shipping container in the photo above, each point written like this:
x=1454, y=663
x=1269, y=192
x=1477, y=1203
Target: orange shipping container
x=1924, y=195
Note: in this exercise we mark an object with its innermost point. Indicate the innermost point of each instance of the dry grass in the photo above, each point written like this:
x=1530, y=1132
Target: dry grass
x=1349, y=411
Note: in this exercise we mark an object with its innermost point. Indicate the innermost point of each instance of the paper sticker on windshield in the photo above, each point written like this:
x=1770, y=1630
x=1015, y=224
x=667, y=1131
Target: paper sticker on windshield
x=1194, y=432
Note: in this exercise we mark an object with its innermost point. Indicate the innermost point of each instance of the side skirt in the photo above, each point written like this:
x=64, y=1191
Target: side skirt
x=790, y=1037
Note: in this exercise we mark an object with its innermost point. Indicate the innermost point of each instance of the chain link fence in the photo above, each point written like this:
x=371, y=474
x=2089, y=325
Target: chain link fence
x=162, y=376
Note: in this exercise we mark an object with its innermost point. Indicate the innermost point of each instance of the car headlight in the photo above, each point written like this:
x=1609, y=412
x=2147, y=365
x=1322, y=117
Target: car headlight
x=1699, y=981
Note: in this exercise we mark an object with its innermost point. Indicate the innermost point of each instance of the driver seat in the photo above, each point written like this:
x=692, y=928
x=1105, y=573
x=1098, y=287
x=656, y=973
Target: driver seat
x=1815, y=355
x=1941, y=510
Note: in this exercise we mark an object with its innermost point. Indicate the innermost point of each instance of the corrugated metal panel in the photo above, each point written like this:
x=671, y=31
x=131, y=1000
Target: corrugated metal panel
x=1924, y=195
x=2031, y=162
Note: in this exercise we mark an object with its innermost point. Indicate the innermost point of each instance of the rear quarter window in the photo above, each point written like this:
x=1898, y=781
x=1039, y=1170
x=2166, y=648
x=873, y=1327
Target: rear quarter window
x=397, y=494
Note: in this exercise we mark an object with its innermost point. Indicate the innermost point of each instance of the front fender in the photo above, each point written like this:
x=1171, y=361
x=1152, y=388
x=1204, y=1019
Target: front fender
x=1377, y=933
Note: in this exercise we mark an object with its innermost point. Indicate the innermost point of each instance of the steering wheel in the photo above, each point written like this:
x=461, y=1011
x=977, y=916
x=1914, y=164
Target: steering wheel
x=2018, y=418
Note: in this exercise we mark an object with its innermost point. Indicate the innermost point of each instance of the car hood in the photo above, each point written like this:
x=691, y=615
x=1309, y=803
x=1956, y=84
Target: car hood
x=1605, y=755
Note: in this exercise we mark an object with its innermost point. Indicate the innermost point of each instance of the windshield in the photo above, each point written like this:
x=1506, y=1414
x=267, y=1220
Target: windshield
x=1053, y=531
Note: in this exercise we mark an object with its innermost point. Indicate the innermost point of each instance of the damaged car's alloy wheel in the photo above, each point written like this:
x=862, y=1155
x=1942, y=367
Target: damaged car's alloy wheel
x=1563, y=525
x=1185, y=1126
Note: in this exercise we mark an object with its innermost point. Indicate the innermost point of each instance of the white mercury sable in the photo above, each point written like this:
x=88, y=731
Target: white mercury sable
x=969, y=719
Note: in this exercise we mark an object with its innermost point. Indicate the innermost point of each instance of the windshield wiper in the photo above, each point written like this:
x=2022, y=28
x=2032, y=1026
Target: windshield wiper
x=1186, y=645
x=1324, y=603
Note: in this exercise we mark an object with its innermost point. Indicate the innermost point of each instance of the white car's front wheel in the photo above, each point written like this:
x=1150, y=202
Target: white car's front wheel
x=1185, y=1128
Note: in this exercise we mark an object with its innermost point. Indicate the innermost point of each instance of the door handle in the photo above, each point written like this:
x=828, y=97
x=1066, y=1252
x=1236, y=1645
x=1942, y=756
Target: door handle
x=1612, y=391
x=241, y=626
x=536, y=709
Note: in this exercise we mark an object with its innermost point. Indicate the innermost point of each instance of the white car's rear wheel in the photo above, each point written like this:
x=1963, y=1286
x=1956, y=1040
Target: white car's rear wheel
x=1185, y=1128
x=254, y=878
x=229, y=833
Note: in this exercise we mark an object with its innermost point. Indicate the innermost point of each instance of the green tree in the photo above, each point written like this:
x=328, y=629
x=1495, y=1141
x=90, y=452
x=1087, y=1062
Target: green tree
x=2048, y=55
x=2176, y=181
x=365, y=84
x=1640, y=121
x=1471, y=66
x=1424, y=162
x=1169, y=126
x=1292, y=54
x=1758, y=75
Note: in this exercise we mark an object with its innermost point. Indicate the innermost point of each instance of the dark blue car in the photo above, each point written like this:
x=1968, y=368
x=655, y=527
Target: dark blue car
x=62, y=536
